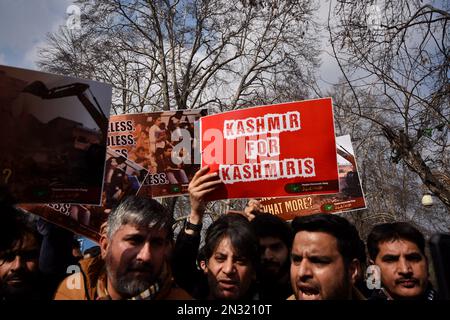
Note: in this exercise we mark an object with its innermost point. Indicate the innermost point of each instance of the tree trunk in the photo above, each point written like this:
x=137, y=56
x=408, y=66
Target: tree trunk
x=402, y=146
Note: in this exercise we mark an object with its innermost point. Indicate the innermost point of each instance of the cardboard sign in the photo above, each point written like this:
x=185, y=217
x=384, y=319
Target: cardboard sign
x=80, y=219
x=164, y=143
x=279, y=150
x=53, y=137
x=350, y=196
x=122, y=178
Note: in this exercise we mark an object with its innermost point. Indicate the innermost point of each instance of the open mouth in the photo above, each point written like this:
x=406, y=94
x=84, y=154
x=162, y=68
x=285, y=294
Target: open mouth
x=228, y=284
x=308, y=293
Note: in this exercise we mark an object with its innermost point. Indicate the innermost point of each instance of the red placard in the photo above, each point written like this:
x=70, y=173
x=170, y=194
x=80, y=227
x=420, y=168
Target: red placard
x=279, y=150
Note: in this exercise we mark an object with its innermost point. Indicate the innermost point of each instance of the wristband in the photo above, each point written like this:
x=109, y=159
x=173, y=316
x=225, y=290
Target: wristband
x=194, y=227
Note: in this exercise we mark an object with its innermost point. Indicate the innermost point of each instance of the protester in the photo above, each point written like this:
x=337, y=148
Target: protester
x=398, y=249
x=133, y=262
x=325, y=258
x=230, y=255
x=275, y=240
x=231, y=258
x=20, y=278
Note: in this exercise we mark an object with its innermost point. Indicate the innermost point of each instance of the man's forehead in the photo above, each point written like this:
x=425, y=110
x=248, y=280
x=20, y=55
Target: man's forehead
x=397, y=247
x=27, y=242
x=271, y=240
x=225, y=246
x=129, y=229
x=315, y=242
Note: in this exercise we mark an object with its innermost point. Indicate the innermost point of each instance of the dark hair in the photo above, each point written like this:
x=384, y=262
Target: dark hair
x=241, y=235
x=15, y=230
x=393, y=231
x=268, y=225
x=349, y=243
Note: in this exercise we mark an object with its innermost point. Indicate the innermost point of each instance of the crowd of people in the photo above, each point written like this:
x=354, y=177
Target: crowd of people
x=249, y=256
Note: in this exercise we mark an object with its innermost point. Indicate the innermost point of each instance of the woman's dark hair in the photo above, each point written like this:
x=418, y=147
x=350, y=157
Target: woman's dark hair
x=349, y=243
x=241, y=235
x=391, y=232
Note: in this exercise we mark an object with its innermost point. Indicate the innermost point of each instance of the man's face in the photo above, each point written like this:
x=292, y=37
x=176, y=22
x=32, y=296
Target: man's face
x=274, y=256
x=19, y=267
x=229, y=275
x=318, y=271
x=404, y=269
x=134, y=258
x=140, y=153
x=168, y=153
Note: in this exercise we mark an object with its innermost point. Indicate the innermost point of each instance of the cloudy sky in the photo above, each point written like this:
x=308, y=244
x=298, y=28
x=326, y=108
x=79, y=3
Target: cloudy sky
x=25, y=23
x=23, y=27
x=329, y=72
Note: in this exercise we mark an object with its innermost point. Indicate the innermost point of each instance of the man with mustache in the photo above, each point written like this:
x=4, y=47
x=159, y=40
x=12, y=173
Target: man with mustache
x=19, y=264
x=133, y=263
x=275, y=240
x=325, y=258
x=398, y=249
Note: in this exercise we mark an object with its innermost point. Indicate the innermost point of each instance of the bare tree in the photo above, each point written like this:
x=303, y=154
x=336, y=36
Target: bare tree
x=398, y=52
x=393, y=192
x=188, y=54
x=170, y=54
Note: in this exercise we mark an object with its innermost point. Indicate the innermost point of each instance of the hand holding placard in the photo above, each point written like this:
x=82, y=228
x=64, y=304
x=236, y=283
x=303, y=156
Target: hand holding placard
x=201, y=185
x=253, y=206
x=277, y=150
